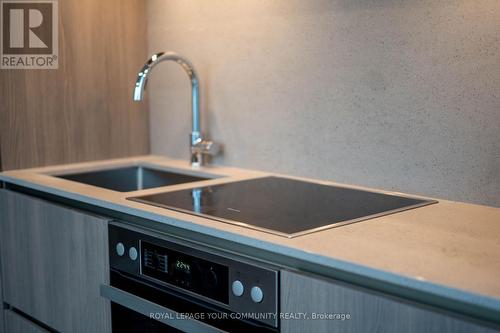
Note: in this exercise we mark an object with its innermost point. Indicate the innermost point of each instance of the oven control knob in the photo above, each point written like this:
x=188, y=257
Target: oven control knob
x=256, y=294
x=120, y=249
x=238, y=288
x=132, y=253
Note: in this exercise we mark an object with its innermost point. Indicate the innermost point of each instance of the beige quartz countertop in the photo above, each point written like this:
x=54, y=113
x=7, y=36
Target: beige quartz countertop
x=452, y=245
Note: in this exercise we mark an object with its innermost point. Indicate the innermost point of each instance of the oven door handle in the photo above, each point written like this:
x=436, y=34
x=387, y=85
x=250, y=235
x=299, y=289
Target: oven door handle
x=145, y=307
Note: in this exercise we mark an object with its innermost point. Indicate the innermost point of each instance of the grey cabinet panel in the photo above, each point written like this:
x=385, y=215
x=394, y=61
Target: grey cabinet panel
x=14, y=323
x=368, y=312
x=1, y=298
x=54, y=260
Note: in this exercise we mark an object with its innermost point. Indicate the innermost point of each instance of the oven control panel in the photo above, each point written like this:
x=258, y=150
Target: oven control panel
x=185, y=271
x=237, y=284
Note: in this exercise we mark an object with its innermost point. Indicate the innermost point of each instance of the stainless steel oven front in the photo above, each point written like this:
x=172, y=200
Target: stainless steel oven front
x=164, y=284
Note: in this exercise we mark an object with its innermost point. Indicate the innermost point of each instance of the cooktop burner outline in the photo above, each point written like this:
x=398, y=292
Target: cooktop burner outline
x=283, y=206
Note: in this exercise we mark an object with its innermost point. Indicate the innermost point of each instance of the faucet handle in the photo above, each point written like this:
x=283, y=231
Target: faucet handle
x=206, y=147
x=201, y=148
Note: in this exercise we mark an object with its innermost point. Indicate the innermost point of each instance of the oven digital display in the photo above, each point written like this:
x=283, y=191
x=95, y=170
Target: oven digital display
x=182, y=266
x=185, y=271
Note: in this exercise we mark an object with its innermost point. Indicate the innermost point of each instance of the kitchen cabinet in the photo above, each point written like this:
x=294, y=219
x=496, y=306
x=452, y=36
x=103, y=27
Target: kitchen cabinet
x=15, y=323
x=368, y=311
x=54, y=259
x=1, y=302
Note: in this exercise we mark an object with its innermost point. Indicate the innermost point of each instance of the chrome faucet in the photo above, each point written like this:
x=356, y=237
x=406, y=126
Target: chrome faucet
x=198, y=146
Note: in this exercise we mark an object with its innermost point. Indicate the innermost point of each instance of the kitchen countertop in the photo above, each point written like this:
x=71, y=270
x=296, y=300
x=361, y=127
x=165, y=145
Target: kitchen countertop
x=449, y=249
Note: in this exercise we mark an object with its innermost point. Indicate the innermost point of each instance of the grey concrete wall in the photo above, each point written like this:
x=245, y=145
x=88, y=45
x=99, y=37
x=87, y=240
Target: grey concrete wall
x=398, y=95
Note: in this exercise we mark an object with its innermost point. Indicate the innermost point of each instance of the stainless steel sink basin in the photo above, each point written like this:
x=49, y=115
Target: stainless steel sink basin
x=131, y=178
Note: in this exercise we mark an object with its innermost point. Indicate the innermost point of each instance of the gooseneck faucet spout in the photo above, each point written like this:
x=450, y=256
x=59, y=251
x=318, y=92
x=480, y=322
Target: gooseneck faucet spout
x=198, y=146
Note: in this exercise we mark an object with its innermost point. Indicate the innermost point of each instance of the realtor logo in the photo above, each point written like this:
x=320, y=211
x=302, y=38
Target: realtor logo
x=29, y=34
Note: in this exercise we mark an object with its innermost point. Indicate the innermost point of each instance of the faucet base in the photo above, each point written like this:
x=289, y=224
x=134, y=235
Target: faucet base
x=201, y=147
x=197, y=160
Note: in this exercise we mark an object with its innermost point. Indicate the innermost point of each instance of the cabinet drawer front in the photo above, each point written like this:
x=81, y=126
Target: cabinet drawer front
x=368, y=312
x=1, y=296
x=54, y=259
x=15, y=323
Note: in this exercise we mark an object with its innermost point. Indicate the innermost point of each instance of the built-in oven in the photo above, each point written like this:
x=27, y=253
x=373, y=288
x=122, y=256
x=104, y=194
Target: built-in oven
x=165, y=284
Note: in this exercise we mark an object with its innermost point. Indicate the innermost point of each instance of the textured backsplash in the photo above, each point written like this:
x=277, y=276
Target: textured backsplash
x=398, y=95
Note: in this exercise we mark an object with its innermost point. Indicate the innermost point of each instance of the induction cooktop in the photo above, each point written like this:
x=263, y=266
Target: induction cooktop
x=282, y=206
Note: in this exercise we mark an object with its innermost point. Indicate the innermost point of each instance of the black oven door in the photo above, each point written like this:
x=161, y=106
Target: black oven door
x=142, y=306
x=129, y=321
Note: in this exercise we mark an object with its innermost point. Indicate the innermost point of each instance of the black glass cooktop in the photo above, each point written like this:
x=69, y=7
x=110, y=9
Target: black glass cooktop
x=282, y=206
